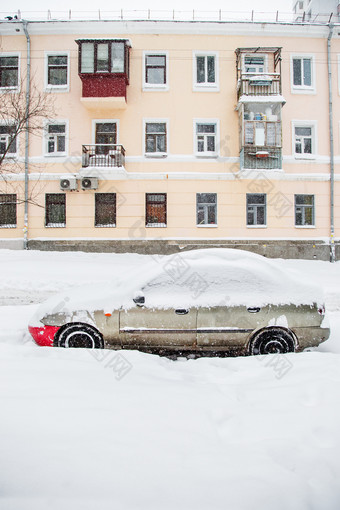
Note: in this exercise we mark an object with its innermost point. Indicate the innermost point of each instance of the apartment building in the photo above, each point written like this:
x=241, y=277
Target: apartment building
x=316, y=10
x=169, y=135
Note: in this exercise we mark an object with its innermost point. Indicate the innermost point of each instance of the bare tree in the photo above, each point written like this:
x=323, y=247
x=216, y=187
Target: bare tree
x=17, y=118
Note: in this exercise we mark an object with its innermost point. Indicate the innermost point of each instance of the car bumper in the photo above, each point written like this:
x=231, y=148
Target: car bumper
x=43, y=335
x=311, y=337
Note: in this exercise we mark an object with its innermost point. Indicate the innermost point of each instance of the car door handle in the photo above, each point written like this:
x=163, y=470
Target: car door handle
x=254, y=309
x=181, y=311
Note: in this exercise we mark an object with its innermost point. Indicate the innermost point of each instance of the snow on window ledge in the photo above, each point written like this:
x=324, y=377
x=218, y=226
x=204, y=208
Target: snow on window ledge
x=157, y=225
x=9, y=225
x=109, y=225
x=210, y=155
x=156, y=154
x=55, y=225
x=304, y=156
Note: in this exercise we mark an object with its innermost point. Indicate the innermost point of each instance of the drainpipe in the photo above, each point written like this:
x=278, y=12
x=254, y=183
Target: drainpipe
x=332, y=245
x=28, y=83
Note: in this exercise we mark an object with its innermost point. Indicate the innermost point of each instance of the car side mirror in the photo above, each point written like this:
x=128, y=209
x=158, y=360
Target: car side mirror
x=139, y=300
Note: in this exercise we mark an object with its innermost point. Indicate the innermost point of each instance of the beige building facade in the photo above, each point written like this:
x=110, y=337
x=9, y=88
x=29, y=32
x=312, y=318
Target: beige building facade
x=169, y=135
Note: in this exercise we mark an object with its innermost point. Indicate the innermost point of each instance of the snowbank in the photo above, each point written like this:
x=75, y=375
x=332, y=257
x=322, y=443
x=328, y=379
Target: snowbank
x=77, y=433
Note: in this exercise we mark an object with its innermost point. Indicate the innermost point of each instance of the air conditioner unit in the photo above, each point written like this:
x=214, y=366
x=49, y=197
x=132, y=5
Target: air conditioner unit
x=68, y=183
x=89, y=183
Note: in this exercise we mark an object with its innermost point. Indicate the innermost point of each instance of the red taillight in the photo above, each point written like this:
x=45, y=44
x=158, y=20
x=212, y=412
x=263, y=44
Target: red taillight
x=321, y=310
x=43, y=335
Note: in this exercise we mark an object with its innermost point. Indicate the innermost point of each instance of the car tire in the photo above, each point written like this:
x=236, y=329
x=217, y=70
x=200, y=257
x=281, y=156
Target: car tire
x=79, y=335
x=272, y=341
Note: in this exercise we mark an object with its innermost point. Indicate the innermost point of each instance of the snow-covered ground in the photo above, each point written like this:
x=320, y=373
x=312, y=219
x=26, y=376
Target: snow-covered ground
x=86, y=430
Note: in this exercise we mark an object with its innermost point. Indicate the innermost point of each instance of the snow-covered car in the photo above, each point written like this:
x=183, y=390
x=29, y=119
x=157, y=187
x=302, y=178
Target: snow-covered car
x=200, y=301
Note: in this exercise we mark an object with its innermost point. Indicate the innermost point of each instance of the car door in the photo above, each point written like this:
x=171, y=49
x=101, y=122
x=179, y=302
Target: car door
x=228, y=326
x=169, y=328
x=159, y=319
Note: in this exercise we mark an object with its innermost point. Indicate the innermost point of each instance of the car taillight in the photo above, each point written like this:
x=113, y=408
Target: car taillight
x=43, y=335
x=321, y=310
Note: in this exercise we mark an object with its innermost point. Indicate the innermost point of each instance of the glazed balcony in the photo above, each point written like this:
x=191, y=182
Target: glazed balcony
x=104, y=72
x=103, y=156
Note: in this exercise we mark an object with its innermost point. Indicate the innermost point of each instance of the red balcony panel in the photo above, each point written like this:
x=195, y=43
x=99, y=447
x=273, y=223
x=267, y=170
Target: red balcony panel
x=104, y=85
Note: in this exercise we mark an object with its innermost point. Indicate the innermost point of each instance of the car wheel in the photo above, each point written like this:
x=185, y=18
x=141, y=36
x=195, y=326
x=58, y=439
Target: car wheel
x=79, y=335
x=271, y=341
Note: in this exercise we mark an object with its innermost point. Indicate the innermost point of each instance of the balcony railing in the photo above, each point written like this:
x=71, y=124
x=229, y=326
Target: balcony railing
x=261, y=158
x=103, y=155
x=267, y=85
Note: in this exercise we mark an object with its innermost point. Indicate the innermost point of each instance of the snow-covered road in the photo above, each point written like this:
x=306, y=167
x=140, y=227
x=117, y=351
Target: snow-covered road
x=207, y=434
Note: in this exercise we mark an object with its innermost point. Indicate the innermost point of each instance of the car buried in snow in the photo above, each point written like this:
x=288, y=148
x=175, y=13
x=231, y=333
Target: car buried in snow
x=205, y=302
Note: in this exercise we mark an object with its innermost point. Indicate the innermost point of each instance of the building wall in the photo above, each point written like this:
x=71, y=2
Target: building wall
x=182, y=174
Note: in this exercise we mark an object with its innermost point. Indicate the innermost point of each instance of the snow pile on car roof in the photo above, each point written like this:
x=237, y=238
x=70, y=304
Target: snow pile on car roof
x=209, y=277
x=215, y=277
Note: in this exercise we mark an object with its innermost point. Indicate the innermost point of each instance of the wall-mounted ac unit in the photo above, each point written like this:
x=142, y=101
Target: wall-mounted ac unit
x=89, y=183
x=68, y=183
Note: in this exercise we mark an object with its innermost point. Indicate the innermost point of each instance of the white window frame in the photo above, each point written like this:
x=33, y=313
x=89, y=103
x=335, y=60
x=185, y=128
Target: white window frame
x=156, y=121
x=46, y=135
x=205, y=87
x=104, y=121
x=12, y=155
x=207, y=154
x=306, y=123
x=303, y=89
x=57, y=88
x=265, y=63
x=265, y=206
x=303, y=206
x=156, y=86
x=206, y=205
x=15, y=88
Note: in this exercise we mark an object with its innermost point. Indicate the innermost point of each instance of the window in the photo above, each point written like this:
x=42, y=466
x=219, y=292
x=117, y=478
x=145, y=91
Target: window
x=9, y=71
x=56, y=139
x=105, y=137
x=206, y=208
x=8, y=211
x=304, y=139
x=155, y=71
x=206, y=138
x=57, y=71
x=155, y=138
x=304, y=210
x=155, y=214
x=55, y=210
x=256, y=209
x=103, y=56
x=8, y=141
x=303, y=74
x=205, y=70
x=254, y=64
x=105, y=210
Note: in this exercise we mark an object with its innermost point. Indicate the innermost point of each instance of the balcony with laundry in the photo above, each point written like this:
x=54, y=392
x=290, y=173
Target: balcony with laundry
x=259, y=105
x=260, y=136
